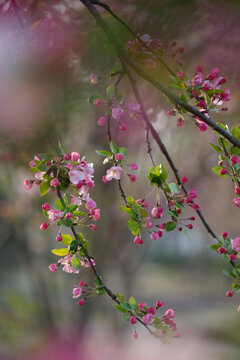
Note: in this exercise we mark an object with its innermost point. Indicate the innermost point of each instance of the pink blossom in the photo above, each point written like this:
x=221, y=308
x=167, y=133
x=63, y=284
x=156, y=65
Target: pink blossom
x=32, y=163
x=134, y=166
x=213, y=74
x=184, y=179
x=195, y=206
x=157, y=212
x=53, y=267
x=229, y=293
x=154, y=235
x=133, y=178
x=169, y=314
x=194, y=94
x=98, y=102
x=102, y=121
x=224, y=234
x=148, y=318
x=77, y=291
x=28, y=184
x=81, y=172
x=46, y=207
x=117, y=112
x=75, y=156
x=159, y=233
x=237, y=190
x=192, y=194
x=151, y=310
x=223, y=171
x=118, y=156
x=134, y=335
x=162, y=226
x=93, y=226
x=237, y=201
x=134, y=108
x=226, y=95
x=75, y=200
x=93, y=79
x=104, y=179
x=82, y=283
x=54, y=214
x=44, y=226
x=141, y=306
x=235, y=243
x=54, y=182
x=221, y=250
x=95, y=213
x=197, y=80
x=232, y=257
x=85, y=263
x=66, y=261
x=180, y=75
x=90, y=204
x=201, y=103
x=114, y=173
x=206, y=86
x=148, y=225
x=234, y=160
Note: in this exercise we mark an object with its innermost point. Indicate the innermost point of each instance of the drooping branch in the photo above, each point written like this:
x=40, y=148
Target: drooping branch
x=156, y=83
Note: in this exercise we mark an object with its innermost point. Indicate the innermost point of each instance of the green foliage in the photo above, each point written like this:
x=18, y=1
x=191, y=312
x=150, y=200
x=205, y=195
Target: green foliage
x=217, y=169
x=60, y=252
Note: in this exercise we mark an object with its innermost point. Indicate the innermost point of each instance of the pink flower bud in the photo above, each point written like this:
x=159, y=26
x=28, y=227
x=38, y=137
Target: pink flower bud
x=59, y=238
x=46, y=207
x=98, y=102
x=133, y=178
x=148, y=225
x=134, y=166
x=195, y=206
x=237, y=201
x=201, y=103
x=44, y=226
x=32, y=163
x=221, y=250
x=229, y=293
x=184, y=179
x=169, y=314
x=148, y=318
x=232, y=257
x=81, y=302
x=197, y=80
x=159, y=304
x=171, y=112
x=180, y=122
x=234, y=160
x=102, y=121
x=123, y=127
x=138, y=240
x=194, y=94
x=67, y=156
x=190, y=226
x=93, y=79
x=132, y=320
x=93, y=226
x=157, y=212
x=192, y=218
x=53, y=267
x=154, y=236
x=151, y=310
x=202, y=126
x=159, y=233
x=82, y=283
x=223, y=171
x=118, y=156
x=75, y=156
x=178, y=211
x=180, y=228
x=134, y=335
x=105, y=180
x=69, y=215
x=205, y=87
x=54, y=182
x=162, y=226
x=224, y=234
x=28, y=184
x=180, y=75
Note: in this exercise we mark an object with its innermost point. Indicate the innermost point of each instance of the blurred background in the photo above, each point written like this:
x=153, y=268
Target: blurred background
x=47, y=52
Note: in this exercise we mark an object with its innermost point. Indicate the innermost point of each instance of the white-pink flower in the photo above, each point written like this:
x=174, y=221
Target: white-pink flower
x=235, y=243
x=114, y=173
x=66, y=261
x=77, y=291
x=81, y=172
x=54, y=214
x=148, y=318
x=117, y=112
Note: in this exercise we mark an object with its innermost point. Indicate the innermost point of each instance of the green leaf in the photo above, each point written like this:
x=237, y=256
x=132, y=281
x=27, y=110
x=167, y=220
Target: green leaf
x=157, y=323
x=44, y=187
x=229, y=274
x=97, y=282
x=59, y=205
x=62, y=148
x=60, y=252
x=126, y=317
x=114, y=147
x=67, y=199
x=76, y=263
x=120, y=297
x=174, y=188
x=67, y=222
x=186, y=234
x=78, y=213
x=100, y=291
x=132, y=301
x=123, y=151
x=236, y=132
x=126, y=306
x=134, y=226
x=183, y=98
x=217, y=169
x=72, y=207
x=171, y=213
x=111, y=91
x=225, y=143
x=214, y=247
x=103, y=152
x=66, y=239
x=234, y=150
x=216, y=148
x=74, y=245
x=120, y=308
x=170, y=226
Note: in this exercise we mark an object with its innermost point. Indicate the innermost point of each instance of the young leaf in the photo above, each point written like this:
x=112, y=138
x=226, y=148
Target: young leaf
x=60, y=252
x=44, y=187
x=170, y=226
x=66, y=239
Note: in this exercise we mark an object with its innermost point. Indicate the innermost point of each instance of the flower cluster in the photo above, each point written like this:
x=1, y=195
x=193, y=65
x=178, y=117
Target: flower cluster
x=204, y=91
x=163, y=326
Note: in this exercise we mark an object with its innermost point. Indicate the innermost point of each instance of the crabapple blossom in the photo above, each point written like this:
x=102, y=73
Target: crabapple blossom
x=54, y=182
x=159, y=304
x=169, y=314
x=237, y=201
x=235, y=243
x=117, y=113
x=184, y=179
x=28, y=184
x=46, y=207
x=113, y=173
x=229, y=293
x=75, y=156
x=81, y=302
x=132, y=320
x=180, y=122
x=59, y=238
x=148, y=318
x=133, y=178
x=44, y=226
x=138, y=240
x=134, y=166
x=101, y=121
x=98, y=102
x=134, y=335
x=69, y=215
x=53, y=267
x=224, y=234
x=202, y=126
x=118, y=156
x=54, y=215
x=77, y=291
x=157, y=212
